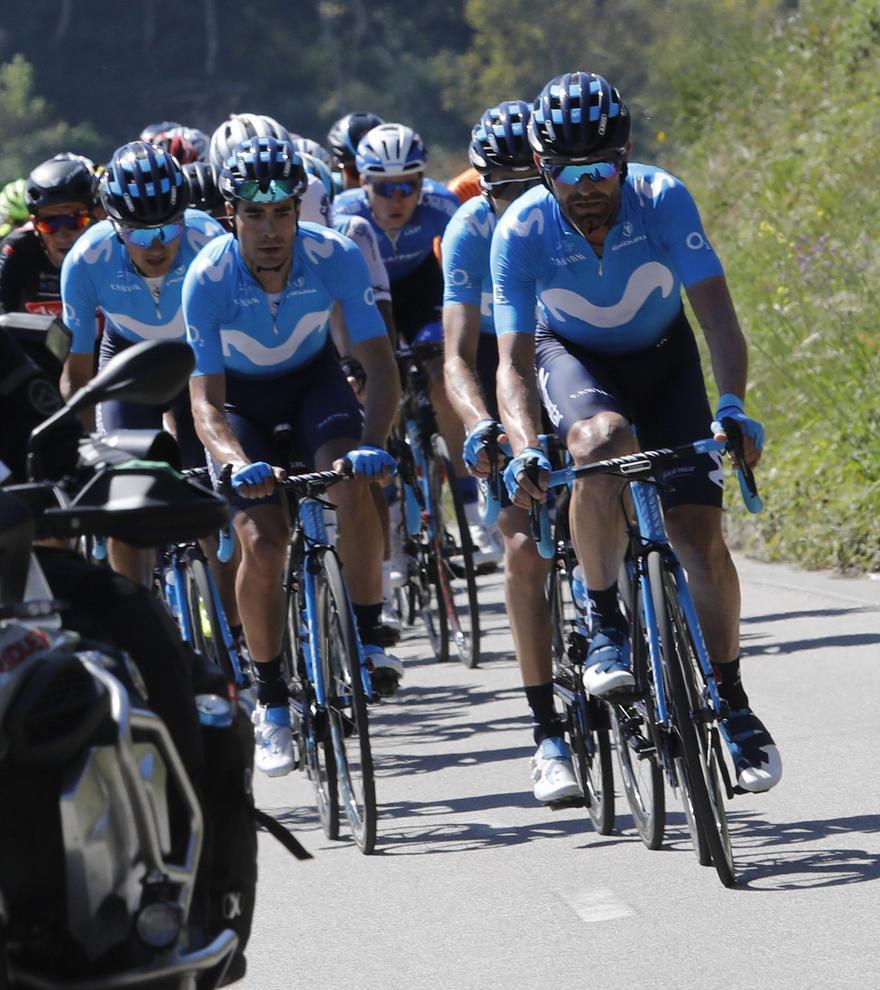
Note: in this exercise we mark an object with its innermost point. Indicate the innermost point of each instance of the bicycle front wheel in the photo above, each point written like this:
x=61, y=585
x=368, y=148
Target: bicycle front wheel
x=456, y=574
x=346, y=703
x=696, y=727
x=204, y=620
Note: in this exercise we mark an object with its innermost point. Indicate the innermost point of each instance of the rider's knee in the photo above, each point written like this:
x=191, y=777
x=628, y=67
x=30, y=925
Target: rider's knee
x=604, y=435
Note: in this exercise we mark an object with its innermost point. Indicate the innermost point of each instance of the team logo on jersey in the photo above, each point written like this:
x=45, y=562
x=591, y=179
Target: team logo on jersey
x=485, y=304
x=369, y=296
x=522, y=227
x=69, y=314
x=458, y=276
x=209, y=270
x=696, y=242
x=102, y=251
x=482, y=225
x=315, y=250
x=627, y=229
x=563, y=304
x=264, y=357
x=174, y=329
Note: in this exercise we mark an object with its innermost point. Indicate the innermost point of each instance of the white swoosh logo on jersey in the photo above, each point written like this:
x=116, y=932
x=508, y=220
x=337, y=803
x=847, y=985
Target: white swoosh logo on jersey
x=646, y=189
x=522, y=228
x=213, y=271
x=562, y=303
x=102, y=251
x=484, y=226
x=175, y=329
x=197, y=238
x=319, y=249
x=264, y=356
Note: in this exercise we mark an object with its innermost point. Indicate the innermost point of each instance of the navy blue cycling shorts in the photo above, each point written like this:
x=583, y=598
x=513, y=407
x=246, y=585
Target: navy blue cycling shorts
x=116, y=414
x=417, y=299
x=660, y=390
x=316, y=402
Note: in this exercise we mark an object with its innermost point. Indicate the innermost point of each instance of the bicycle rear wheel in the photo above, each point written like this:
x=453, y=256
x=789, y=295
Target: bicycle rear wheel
x=590, y=743
x=311, y=726
x=696, y=726
x=346, y=703
x=456, y=574
x=204, y=620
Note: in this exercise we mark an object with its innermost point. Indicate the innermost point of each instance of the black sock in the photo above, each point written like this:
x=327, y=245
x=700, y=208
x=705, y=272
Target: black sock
x=271, y=689
x=546, y=723
x=605, y=609
x=368, y=618
x=730, y=686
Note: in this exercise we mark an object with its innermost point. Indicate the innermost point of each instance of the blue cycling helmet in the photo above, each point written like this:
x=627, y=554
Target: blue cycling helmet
x=344, y=136
x=577, y=116
x=263, y=170
x=500, y=139
x=390, y=150
x=143, y=186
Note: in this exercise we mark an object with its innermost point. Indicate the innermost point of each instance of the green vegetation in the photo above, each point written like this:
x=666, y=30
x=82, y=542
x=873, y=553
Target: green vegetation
x=768, y=109
x=776, y=127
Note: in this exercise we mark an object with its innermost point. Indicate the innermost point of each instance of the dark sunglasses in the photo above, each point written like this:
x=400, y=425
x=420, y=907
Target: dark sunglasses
x=275, y=191
x=66, y=221
x=388, y=188
x=570, y=174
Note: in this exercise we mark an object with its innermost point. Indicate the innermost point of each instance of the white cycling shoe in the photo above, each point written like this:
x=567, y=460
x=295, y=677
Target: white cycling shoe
x=553, y=772
x=275, y=754
x=606, y=668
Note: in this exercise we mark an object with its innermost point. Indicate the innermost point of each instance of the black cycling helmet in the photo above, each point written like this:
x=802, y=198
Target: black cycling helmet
x=500, y=140
x=263, y=170
x=577, y=116
x=203, y=191
x=143, y=186
x=62, y=179
x=344, y=136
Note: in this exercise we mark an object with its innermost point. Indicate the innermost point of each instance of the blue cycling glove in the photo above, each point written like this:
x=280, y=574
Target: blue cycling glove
x=368, y=461
x=251, y=474
x=477, y=439
x=529, y=456
x=731, y=406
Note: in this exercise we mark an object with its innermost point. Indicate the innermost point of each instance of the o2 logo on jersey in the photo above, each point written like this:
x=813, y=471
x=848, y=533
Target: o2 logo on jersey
x=369, y=296
x=695, y=241
x=458, y=276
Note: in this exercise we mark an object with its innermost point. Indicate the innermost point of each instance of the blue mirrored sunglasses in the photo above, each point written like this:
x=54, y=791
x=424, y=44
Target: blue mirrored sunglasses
x=143, y=237
x=274, y=192
x=571, y=175
x=388, y=188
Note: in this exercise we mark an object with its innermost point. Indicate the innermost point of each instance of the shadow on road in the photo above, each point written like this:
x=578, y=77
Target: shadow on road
x=817, y=643
x=810, y=613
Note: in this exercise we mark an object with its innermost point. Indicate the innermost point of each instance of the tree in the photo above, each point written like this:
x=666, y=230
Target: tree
x=30, y=131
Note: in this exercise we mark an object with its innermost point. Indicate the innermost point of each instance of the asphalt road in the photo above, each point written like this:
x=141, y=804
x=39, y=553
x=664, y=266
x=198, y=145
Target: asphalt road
x=474, y=885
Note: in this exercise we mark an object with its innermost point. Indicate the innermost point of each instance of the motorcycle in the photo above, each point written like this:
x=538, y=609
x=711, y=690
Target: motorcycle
x=98, y=865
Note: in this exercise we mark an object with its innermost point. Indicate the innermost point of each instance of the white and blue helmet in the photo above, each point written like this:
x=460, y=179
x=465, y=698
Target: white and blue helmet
x=390, y=150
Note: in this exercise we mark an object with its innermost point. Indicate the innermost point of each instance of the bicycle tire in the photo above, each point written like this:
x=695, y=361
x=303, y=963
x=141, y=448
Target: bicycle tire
x=454, y=553
x=590, y=743
x=699, y=755
x=633, y=728
x=311, y=727
x=199, y=597
x=346, y=703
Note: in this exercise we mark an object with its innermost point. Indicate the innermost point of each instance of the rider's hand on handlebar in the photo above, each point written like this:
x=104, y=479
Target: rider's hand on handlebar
x=369, y=461
x=731, y=407
x=521, y=488
x=255, y=480
x=474, y=453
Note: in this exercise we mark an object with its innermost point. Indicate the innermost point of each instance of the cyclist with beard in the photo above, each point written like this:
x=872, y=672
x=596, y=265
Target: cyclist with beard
x=605, y=250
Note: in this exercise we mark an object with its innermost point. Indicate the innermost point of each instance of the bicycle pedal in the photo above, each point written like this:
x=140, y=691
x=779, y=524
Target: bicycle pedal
x=574, y=802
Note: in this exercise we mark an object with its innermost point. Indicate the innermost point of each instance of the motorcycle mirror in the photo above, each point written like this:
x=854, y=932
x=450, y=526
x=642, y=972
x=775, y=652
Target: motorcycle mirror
x=151, y=373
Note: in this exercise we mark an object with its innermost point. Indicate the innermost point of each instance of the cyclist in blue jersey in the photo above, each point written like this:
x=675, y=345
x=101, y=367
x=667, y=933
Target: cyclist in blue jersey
x=605, y=250
x=257, y=305
x=408, y=213
x=500, y=153
x=130, y=268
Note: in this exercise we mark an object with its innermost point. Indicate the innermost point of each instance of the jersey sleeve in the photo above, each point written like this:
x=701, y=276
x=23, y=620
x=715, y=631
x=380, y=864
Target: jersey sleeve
x=349, y=279
x=514, y=280
x=79, y=297
x=465, y=262
x=201, y=295
x=11, y=277
x=362, y=234
x=681, y=232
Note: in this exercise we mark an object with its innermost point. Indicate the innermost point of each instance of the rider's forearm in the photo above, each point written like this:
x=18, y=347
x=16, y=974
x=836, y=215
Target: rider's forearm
x=215, y=433
x=464, y=391
x=519, y=404
x=713, y=307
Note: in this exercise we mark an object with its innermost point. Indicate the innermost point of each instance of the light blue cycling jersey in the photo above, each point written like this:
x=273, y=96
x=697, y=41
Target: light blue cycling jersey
x=616, y=304
x=229, y=319
x=97, y=274
x=465, y=252
x=413, y=242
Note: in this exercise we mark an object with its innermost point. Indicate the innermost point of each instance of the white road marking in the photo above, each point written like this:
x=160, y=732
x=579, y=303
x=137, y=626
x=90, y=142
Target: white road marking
x=596, y=905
